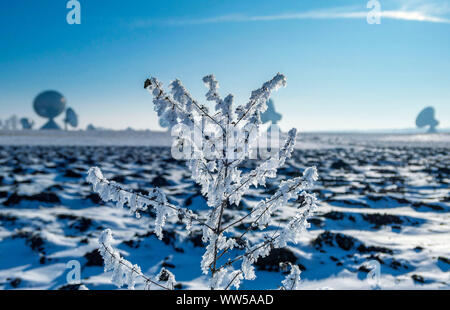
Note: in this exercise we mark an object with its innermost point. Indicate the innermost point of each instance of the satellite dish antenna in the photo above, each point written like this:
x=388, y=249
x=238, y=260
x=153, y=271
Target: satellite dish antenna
x=426, y=118
x=270, y=115
x=49, y=104
x=26, y=123
x=71, y=118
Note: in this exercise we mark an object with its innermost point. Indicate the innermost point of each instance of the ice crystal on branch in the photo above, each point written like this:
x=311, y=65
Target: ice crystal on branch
x=124, y=272
x=215, y=144
x=292, y=280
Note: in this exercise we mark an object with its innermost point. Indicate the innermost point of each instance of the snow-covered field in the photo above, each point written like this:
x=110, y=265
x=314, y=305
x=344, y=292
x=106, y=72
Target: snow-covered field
x=382, y=197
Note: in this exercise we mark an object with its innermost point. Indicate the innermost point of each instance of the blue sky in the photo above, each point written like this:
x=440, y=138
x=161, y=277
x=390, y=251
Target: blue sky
x=343, y=74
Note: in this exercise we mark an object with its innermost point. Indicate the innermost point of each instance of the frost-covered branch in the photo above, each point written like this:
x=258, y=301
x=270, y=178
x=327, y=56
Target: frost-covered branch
x=261, y=213
x=268, y=169
x=257, y=103
x=223, y=106
x=289, y=189
x=213, y=93
x=292, y=280
x=111, y=191
x=184, y=98
x=170, y=111
x=183, y=109
x=124, y=272
x=219, y=143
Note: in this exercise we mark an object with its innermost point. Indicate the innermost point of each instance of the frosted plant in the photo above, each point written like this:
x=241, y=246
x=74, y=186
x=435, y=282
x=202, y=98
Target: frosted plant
x=218, y=143
x=292, y=281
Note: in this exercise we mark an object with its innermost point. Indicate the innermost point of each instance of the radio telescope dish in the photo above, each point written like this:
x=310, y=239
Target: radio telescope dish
x=90, y=127
x=26, y=123
x=270, y=115
x=427, y=118
x=71, y=118
x=49, y=104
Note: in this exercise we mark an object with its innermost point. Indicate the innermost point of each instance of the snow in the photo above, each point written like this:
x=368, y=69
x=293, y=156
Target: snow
x=159, y=138
x=85, y=138
x=403, y=179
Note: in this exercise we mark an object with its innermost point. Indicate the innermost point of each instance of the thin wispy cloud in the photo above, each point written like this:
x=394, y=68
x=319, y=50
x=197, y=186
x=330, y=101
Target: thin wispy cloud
x=423, y=13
